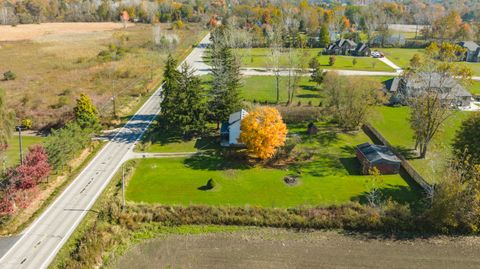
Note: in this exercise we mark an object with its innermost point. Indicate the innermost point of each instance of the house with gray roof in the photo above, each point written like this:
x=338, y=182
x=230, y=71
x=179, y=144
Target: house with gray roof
x=402, y=88
x=340, y=47
x=230, y=130
x=473, y=51
x=362, y=49
x=377, y=156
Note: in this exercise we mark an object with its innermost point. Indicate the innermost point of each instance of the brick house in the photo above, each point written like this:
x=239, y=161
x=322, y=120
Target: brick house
x=378, y=156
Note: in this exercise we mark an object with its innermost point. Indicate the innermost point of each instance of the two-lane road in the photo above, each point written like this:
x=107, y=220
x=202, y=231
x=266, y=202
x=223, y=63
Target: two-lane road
x=39, y=244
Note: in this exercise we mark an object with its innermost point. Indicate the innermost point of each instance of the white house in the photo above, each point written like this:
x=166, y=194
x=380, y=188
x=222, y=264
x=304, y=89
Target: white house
x=230, y=130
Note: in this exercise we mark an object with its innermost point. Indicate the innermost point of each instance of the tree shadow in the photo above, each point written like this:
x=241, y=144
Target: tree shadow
x=406, y=152
x=352, y=165
x=308, y=95
x=397, y=193
x=215, y=160
x=309, y=88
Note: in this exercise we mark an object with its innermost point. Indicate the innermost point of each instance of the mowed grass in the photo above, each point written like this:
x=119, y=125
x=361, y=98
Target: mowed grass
x=393, y=124
x=475, y=87
x=400, y=56
x=475, y=68
x=13, y=151
x=260, y=57
x=332, y=176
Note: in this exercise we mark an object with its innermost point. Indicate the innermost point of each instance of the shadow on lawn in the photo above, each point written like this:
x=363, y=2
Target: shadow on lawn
x=158, y=136
x=397, y=193
x=215, y=160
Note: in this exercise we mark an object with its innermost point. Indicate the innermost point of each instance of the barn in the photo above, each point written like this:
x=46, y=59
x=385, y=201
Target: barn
x=377, y=156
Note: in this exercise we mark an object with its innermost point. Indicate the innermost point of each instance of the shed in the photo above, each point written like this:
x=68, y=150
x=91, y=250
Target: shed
x=378, y=156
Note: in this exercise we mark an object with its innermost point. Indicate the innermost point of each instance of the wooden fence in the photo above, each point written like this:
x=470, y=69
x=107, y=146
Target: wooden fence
x=371, y=131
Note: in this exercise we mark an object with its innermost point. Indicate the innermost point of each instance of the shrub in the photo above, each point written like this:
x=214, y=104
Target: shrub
x=331, y=60
x=211, y=184
x=9, y=75
x=27, y=123
x=292, y=114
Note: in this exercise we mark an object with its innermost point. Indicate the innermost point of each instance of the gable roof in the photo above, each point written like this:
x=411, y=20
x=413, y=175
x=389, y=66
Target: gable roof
x=341, y=42
x=237, y=116
x=361, y=47
x=377, y=153
x=470, y=45
x=419, y=81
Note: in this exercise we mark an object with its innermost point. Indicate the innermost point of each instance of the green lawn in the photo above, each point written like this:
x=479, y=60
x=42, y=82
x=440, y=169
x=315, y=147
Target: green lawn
x=399, y=56
x=332, y=176
x=393, y=123
x=475, y=68
x=260, y=57
x=12, y=153
x=475, y=87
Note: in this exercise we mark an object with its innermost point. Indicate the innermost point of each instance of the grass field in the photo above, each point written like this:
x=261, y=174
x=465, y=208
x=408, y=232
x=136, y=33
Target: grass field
x=475, y=87
x=260, y=57
x=332, y=176
x=63, y=64
x=393, y=123
x=475, y=68
x=399, y=56
x=13, y=151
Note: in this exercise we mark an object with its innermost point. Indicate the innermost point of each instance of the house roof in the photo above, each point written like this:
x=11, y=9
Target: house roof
x=377, y=153
x=341, y=42
x=470, y=45
x=420, y=81
x=237, y=116
x=361, y=47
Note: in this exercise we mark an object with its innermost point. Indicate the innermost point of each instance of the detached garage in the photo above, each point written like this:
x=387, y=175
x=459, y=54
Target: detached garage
x=377, y=156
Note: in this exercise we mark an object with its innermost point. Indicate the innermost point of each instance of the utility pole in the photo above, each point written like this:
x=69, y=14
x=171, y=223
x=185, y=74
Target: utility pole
x=19, y=129
x=114, y=57
x=123, y=187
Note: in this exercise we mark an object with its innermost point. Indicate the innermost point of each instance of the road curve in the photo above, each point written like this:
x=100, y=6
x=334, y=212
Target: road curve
x=42, y=240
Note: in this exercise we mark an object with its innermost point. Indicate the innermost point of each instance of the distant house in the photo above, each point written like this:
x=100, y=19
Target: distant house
x=380, y=157
x=230, y=131
x=340, y=47
x=402, y=88
x=473, y=51
x=361, y=49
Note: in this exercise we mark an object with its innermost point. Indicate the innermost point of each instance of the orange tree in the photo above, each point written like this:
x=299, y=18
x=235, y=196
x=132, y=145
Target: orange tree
x=263, y=131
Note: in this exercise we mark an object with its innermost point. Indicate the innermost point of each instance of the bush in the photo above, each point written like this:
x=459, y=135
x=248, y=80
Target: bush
x=211, y=184
x=296, y=114
x=27, y=123
x=331, y=60
x=9, y=75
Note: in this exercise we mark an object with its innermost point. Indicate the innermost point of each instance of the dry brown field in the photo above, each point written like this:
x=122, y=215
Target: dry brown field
x=60, y=61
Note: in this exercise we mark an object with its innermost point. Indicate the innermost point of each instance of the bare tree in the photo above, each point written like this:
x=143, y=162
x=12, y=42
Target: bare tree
x=274, y=61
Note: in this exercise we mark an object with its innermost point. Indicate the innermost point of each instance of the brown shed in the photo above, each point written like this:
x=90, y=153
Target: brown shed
x=377, y=156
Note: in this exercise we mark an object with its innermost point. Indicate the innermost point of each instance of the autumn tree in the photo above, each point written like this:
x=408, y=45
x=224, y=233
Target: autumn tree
x=263, y=132
x=467, y=142
x=349, y=100
x=86, y=113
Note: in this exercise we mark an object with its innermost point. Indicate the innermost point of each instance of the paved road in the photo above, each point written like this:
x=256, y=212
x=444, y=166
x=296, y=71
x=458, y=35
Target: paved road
x=39, y=244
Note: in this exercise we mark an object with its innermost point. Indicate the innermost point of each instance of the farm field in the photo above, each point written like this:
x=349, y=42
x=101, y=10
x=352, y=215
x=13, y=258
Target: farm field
x=260, y=57
x=67, y=63
x=13, y=151
x=392, y=123
x=332, y=176
x=260, y=248
x=399, y=56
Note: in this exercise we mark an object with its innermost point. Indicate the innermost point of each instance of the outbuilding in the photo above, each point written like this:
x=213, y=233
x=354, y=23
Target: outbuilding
x=378, y=156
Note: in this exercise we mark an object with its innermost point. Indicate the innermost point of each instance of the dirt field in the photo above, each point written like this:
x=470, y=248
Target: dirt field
x=277, y=248
x=34, y=31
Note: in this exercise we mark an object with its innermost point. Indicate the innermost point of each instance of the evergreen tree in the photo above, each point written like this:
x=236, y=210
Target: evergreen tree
x=184, y=108
x=324, y=36
x=6, y=122
x=225, y=95
x=86, y=113
x=170, y=86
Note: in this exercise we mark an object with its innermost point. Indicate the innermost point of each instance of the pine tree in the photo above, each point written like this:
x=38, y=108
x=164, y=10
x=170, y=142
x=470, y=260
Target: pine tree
x=170, y=79
x=225, y=95
x=324, y=36
x=184, y=108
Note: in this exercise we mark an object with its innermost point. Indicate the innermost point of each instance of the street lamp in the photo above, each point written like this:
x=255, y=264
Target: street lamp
x=19, y=129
